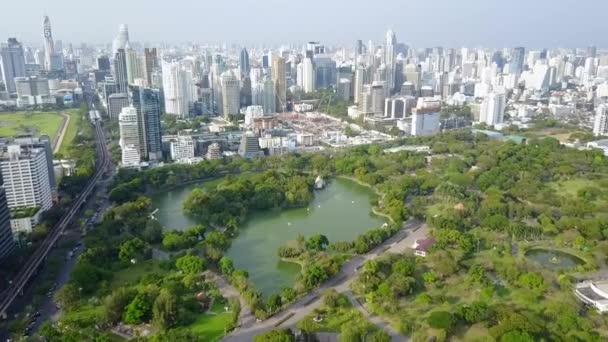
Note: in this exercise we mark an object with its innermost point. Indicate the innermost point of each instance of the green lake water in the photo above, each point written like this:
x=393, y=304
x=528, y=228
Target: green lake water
x=341, y=212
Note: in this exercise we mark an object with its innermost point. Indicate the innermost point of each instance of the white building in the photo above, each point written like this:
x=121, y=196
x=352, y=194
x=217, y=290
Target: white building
x=599, y=144
x=594, y=293
x=231, y=102
x=600, y=123
x=33, y=92
x=26, y=177
x=425, y=117
x=182, y=148
x=253, y=112
x=129, y=136
x=308, y=75
x=179, y=89
x=492, y=109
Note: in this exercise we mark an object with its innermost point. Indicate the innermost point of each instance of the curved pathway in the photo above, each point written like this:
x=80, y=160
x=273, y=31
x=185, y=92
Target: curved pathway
x=58, y=139
x=413, y=229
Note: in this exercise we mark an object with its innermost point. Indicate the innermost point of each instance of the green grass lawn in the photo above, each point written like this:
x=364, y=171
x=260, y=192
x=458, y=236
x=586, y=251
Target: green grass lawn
x=572, y=186
x=211, y=326
x=131, y=274
x=35, y=123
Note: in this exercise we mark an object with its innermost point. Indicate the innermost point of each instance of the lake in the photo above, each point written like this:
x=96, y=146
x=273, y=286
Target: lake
x=341, y=212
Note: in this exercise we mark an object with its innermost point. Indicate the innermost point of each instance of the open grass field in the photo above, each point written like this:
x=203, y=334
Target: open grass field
x=132, y=274
x=35, y=123
x=211, y=325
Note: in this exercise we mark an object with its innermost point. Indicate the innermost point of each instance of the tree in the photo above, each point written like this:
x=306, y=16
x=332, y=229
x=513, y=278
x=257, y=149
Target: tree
x=317, y=242
x=134, y=249
x=288, y=294
x=517, y=336
x=68, y=296
x=379, y=336
x=441, y=320
x=115, y=303
x=226, y=265
x=331, y=298
x=138, y=310
x=190, y=264
x=273, y=303
x=153, y=232
x=164, y=311
x=283, y=335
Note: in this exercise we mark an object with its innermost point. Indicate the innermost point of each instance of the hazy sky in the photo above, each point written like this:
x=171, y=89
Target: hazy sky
x=420, y=23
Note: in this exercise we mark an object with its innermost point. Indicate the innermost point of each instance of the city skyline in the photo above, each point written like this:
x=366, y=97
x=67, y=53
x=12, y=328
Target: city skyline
x=540, y=24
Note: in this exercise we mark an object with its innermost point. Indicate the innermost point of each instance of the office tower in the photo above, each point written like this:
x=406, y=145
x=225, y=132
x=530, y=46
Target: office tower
x=230, y=93
x=280, y=83
x=134, y=67
x=116, y=102
x=246, y=91
x=425, y=118
x=150, y=64
x=244, y=63
x=182, y=148
x=492, y=109
x=147, y=103
x=325, y=72
x=360, y=81
x=378, y=94
x=269, y=96
x=600, y=122
x=7, y=243
x=120, y=70
x=178, y=88
x=344, y=89
x=121, y=40
x=49, y=48
x=214, y=151
x=250, y=145
x=103, y=63
x=592, y=51
x=412, y=74
x=516, y=63
x=359, y=48
x=308, y=75
x=129, y=136
x=26, y=177
x=33, y=92
x=265, y=62
x=42, y=142
x=13, y=63
x=389, y=59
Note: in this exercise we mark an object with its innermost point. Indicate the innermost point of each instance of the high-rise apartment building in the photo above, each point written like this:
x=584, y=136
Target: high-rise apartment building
x=13, y=63
x=600, y=122
x=230, y=93
x=134, y=66
x=280, y=83
x=26, y=177
x=492, y=109
x=147, y=103
x=178, y=88
x=116, y=102
x=129, y=136
x=7, y=243
x=150, y=64
x=182, y=148
x=308, y=75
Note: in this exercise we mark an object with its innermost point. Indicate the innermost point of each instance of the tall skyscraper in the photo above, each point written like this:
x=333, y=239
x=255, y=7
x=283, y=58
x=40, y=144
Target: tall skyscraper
x=129, y=136
x=492, y=108
x=116, y=102
x=134, y=67
x=41, y=142
x=280, y=83
x=7, y=243
x=308, y=75
x=269, y=98
x=230, y=93
x=150, y=64
x=120, y=70
x=516, y=64
x=49, y=45
x=389, y=59
x=600, y=122
x=147, y=104
x=13, y=63
x=178, y=88
x=121, y=40
x=244, y=63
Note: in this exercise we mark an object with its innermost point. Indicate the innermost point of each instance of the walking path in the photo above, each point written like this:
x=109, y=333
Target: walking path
x=58, y=140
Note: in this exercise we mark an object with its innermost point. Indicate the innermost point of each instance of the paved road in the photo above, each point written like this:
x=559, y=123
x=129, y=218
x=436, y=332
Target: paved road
x=403, y=240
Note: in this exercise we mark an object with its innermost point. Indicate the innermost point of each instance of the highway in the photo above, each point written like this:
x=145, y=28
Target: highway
x=36, y=259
